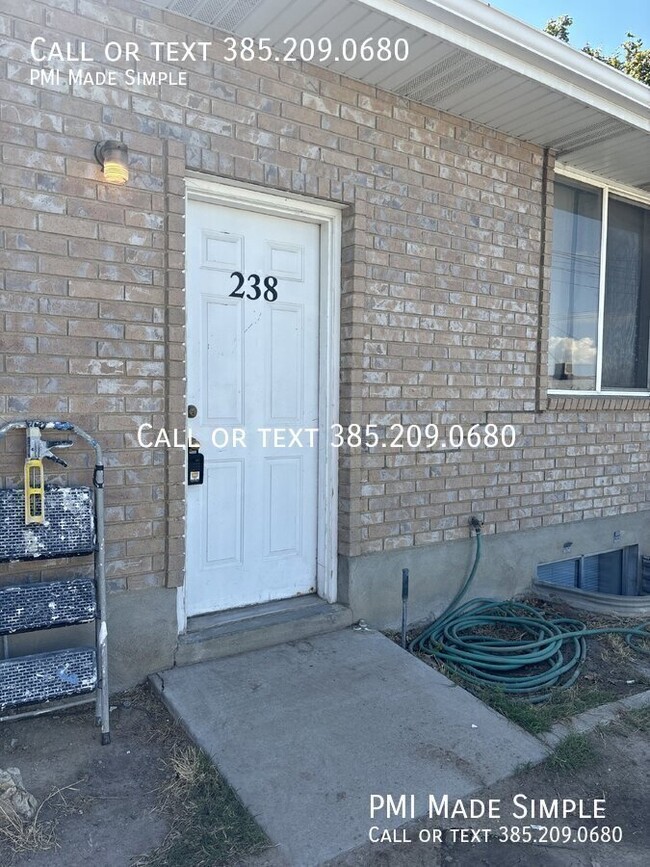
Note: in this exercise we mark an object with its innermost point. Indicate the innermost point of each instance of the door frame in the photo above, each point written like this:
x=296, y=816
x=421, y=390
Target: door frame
x=328, y=218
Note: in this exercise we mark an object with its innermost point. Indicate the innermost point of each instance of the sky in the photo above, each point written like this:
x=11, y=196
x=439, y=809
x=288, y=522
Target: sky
x=601, y=23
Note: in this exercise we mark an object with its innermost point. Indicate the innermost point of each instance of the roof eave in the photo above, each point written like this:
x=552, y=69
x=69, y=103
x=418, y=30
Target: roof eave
x=490, y=33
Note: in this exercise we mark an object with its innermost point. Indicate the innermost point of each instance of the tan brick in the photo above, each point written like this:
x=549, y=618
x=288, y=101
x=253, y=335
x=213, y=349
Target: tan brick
x=440, y=307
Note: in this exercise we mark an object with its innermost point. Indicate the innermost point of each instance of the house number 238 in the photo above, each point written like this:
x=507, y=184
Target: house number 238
x=269, y=292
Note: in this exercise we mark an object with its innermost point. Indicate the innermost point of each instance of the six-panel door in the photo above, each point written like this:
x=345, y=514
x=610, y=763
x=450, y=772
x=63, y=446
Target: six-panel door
x=252, y=354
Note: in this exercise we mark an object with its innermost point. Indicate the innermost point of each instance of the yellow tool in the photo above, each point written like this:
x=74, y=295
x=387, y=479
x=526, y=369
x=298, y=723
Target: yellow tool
x=34, y=491
x=37, y=449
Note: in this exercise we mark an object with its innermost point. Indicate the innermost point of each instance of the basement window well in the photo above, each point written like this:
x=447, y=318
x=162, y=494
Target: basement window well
x=615, y=573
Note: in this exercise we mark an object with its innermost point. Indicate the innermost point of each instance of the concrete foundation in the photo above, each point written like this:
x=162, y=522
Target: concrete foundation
x=371, y=584
x=142, y=634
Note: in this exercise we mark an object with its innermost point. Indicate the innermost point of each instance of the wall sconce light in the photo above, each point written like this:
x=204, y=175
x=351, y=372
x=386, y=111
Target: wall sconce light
x=113, y=157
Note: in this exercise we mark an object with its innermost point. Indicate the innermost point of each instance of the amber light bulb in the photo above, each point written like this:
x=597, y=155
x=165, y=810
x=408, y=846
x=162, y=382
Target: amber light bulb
x=113, y=157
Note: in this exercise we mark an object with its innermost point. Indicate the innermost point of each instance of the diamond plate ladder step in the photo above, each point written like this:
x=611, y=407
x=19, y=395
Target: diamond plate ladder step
x=47, y=676
x=56, y=674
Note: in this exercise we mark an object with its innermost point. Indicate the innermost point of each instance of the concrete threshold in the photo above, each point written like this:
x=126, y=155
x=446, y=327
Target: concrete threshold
x=307, y=731
x=225, y=633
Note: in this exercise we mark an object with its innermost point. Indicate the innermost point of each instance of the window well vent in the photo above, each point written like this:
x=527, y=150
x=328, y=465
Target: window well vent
x=564, y=573
x=613, y=572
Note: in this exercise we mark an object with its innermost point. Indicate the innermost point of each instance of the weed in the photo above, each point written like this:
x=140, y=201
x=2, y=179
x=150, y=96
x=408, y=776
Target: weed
x=569, y=702
x=534, y=718
x=638, y=718
x=210, y=826
x=576, y=751
x=539, y=718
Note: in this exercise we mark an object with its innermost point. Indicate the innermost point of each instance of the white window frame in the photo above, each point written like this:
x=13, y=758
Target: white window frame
x=635, y=196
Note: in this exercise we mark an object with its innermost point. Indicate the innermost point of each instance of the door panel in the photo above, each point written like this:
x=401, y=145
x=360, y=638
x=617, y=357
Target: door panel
x=284, y=377
x=283, y=477
x=252, y=364
x=223, y=525
x=224, y=361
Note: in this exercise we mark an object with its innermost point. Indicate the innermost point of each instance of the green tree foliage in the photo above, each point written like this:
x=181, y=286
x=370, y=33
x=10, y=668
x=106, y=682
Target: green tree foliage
x=559, y=27
x=631, y=57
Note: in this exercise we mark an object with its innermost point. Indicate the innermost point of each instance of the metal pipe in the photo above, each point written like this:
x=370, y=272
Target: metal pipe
x=102, y=710
x=405, y=600
x=41, y=711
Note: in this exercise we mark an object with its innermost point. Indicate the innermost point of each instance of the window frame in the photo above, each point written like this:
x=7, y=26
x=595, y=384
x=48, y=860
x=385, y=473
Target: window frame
x=634, y=196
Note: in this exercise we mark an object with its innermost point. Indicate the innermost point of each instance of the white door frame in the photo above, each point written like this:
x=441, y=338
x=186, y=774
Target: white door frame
x=328, y=217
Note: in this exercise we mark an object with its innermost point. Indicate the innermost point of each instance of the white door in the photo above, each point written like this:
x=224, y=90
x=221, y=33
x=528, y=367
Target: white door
x=252, y=302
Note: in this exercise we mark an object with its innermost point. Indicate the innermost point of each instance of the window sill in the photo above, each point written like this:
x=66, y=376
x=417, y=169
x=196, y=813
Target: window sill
x=558, y=392
x=567, y=400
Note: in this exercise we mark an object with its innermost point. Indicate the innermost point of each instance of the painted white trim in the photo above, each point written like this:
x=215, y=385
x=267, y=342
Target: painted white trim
x=577, y=393
x=623, y=190
x=236, y=194
x=328, y=217
x=602, y=265
x=181, y=608
x=639, y=197
x=328, y=410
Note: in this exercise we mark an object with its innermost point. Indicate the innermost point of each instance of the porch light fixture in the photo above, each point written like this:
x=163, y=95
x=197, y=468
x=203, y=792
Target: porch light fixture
x=113, y=157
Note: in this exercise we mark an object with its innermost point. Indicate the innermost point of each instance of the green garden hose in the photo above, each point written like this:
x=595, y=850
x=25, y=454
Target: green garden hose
x=511, y=646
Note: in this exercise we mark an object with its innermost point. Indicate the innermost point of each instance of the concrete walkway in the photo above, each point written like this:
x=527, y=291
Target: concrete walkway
x=306, y=731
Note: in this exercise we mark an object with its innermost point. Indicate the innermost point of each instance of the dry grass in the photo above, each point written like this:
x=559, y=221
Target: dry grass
x=638, y=719
x=37, y=835
x=617, y=649
x=209, y=825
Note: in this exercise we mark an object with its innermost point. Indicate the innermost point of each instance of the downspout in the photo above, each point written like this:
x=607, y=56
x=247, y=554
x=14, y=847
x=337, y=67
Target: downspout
x=542, y=329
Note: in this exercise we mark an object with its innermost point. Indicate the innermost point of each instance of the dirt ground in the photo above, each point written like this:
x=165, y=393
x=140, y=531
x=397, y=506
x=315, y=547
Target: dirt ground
x=611, y=665
x=106, y=817
x=619, y=774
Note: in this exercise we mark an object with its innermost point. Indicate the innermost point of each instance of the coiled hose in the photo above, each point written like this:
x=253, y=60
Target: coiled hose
x=541, y=656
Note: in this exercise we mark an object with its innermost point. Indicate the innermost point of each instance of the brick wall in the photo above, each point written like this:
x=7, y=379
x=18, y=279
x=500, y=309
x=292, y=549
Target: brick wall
x=443, y=308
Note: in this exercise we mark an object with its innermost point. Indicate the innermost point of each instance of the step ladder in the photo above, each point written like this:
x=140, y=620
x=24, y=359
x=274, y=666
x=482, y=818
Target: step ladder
x=66, y=522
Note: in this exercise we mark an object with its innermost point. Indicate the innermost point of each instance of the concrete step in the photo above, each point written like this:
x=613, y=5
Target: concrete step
x=226, y=633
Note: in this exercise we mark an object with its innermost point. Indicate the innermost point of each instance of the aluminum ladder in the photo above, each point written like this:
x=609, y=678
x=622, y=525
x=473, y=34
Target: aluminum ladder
x=70, y=524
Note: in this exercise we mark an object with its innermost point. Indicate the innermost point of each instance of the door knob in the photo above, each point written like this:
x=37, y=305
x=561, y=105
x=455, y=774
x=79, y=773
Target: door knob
x=192, y=411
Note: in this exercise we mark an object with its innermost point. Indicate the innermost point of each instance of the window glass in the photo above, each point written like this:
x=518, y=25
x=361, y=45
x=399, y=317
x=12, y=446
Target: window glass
x=627, y=309
x=575, y=270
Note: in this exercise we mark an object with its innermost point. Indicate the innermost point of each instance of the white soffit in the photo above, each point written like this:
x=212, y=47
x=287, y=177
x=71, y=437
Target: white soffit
x=471, y=60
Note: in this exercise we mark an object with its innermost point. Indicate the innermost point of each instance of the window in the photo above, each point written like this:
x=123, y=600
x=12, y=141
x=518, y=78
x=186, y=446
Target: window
x=599, y=326
x=615, y=572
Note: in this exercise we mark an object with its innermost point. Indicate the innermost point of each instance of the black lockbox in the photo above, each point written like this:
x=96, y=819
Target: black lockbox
x=194, y=467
